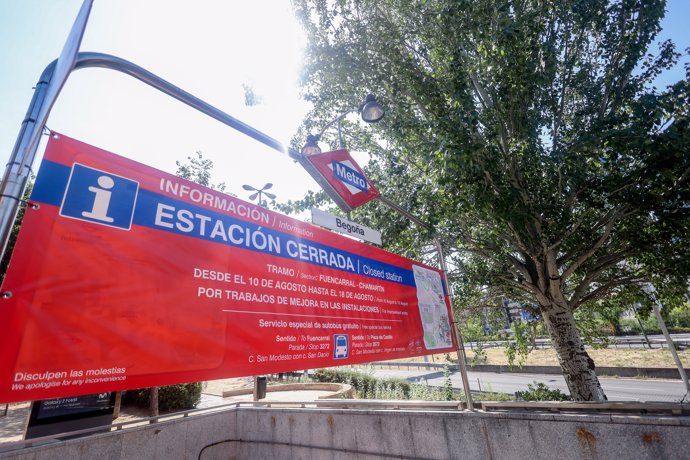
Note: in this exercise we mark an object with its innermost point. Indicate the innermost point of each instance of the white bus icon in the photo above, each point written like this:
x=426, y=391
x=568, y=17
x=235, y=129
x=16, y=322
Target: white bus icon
x=341, y=347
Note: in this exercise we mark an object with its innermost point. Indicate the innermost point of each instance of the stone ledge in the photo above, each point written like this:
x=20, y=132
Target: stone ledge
x=339, y=390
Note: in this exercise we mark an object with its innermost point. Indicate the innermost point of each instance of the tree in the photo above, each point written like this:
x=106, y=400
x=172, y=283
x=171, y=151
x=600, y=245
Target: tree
x=529, y=134
x=250, y=97
x=4, y=264
x=198, y=169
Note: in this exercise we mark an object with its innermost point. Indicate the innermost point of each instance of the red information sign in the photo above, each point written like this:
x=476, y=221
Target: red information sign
x=127, y=277
x=345, y=176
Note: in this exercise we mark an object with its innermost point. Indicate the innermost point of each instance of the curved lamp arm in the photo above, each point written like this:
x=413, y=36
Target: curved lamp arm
x=337, y=119
x=370, y=111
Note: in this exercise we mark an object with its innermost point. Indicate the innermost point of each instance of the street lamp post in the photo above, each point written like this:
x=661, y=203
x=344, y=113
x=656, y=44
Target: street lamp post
x=371, y=111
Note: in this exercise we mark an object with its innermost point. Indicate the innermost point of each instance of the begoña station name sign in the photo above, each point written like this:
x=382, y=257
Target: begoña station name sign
x=344, y=226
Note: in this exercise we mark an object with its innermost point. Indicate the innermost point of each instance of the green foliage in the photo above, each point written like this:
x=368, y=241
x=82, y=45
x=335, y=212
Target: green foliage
x=528, y=134
x=447, y=384
x=677, y=320
x=170, y=398
x=420, y=392
x=541, y=392
x=472, y=330
x=493, y=396
x=250, y=97
x=610, y=311
x=311, y=200
x=520, y=346
x=595, y=331
x=15, y=230
x=479, y=355
x=425, y=392
x=198, y=169
x=514, y=126
x=366, y=386
x=631, y=326
x=370, y=387
x=680, y=316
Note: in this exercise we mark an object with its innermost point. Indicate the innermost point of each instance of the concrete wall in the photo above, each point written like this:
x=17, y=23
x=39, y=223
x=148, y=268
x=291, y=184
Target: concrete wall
x=260, y=433
x=183, y=438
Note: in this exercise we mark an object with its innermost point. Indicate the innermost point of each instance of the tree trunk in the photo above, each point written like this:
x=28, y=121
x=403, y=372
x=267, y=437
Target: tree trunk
x=577, y=366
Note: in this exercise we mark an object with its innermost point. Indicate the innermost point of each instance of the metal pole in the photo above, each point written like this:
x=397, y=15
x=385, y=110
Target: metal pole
x=340, y=134
x=644, y=332
x=18, y=169
x=337, y=119
x=651, y=292
x=462, y=362
x=106, y=61
x=671, y=346
x=121, y=65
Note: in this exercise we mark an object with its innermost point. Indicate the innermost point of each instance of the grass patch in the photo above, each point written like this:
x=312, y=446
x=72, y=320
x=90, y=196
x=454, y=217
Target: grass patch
x=606, y=357
x=369, y=387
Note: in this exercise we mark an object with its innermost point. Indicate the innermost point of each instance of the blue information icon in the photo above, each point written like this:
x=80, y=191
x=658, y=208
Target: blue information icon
x=341, y=347
x=100, y=197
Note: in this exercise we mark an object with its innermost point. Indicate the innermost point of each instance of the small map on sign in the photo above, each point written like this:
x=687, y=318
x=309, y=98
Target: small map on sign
x=432, y=308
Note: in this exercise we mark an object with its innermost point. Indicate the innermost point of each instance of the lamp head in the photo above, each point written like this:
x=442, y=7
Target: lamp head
x=371, y=110
x=311, y=147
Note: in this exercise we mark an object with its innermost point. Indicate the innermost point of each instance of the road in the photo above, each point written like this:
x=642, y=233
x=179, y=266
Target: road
x=629, y=341
x=617, y=389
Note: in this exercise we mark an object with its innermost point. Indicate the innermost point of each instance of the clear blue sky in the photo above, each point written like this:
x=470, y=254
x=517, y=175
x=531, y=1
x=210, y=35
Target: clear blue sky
x=207, y=47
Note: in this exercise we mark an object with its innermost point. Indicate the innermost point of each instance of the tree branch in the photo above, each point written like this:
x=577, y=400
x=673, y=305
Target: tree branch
x=613, y=217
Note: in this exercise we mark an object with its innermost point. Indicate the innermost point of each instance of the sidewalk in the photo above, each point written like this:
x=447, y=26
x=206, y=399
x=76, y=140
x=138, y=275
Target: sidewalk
x=12, y=425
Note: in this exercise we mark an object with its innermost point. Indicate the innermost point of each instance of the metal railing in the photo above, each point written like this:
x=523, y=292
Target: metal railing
x=629, y=408
x=614, y=342
x=678, y=408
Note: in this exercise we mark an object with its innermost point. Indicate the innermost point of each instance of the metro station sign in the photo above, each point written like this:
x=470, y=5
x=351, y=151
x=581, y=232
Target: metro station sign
x=345, y=176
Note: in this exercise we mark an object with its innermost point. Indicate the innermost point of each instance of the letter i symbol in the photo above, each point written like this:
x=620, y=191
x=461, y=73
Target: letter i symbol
x=101, y=202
